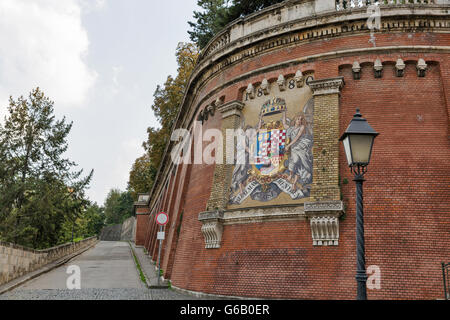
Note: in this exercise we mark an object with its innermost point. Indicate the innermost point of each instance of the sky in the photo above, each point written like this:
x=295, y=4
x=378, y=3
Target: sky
x=100, y=62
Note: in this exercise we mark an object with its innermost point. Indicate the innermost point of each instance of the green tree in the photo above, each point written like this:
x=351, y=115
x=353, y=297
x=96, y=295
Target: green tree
x=95, y=217
x=242, y=8
x=166, y=104
x=141, y=176
x=38, y=189
x=118, y=206
x=216, y=14
x=89, y=223
x=209, y=21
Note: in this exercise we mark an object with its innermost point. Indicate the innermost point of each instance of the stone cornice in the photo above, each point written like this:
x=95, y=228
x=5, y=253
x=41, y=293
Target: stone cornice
x=231, y=108
x=210, y=215
x=255, y=214
x=312, y=208
x=326, y=86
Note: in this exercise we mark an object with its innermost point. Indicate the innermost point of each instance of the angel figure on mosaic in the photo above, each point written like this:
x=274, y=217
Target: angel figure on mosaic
x=300, y=141
x=243, y=164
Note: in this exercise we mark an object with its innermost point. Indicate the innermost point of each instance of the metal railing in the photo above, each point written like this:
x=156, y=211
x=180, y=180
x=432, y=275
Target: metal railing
x=446, y=279
x=352, y=4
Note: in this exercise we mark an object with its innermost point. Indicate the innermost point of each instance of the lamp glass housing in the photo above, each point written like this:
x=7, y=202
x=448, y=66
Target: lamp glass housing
x=359, y=148
x=348, y=151
x=358, y=141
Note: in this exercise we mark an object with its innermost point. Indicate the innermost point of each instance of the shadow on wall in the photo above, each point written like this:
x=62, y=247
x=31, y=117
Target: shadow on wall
x=120, y=232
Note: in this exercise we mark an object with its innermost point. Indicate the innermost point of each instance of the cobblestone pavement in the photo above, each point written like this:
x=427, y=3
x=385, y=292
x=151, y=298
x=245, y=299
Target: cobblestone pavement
x=95, y=294
x=108, y=272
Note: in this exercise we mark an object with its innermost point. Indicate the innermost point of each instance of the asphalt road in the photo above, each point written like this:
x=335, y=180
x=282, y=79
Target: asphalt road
x=107, y=272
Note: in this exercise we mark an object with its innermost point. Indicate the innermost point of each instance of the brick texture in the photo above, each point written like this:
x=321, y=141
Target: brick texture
x=141, y=229
x=407, y=198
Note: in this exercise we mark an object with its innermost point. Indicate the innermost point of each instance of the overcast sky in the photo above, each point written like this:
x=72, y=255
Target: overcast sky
x=100, y=61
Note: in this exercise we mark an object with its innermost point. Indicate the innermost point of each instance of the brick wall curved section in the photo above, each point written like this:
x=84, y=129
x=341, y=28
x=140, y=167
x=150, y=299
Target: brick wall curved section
x=407, y=199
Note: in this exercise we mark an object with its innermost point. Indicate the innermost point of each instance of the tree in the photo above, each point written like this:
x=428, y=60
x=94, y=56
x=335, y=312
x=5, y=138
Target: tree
x=95, y=217
x=38, y=190
x=88, y=224
x=242, y=8
x=166, y=104
x=141, y=176
x=217, y=14
x=118, y=206
x=209, y=21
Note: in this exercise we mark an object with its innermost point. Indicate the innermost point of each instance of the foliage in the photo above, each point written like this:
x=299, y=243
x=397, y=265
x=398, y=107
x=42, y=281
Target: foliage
x=118, y=206
x=209, y=21
x=217, y=14
x=39, y=191
x=141, y=176
x=166, y=104
x=88, y=224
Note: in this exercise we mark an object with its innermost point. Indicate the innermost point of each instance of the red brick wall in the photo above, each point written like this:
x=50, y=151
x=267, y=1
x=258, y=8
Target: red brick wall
x=407, y=198
x=141, y=228
x=407, y=192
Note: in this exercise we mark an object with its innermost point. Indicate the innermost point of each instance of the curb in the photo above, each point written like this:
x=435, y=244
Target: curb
x=34, y=274
x=200, y=295
x=148, y=282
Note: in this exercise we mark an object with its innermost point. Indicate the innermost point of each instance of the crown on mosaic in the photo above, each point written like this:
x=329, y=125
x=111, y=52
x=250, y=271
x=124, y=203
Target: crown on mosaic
x=275, y=105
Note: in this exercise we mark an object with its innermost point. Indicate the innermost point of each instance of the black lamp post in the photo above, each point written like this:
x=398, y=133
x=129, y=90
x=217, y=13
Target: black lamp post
x=358, y=142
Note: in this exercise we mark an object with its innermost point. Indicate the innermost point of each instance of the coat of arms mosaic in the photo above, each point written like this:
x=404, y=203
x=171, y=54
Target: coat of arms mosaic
x=278, y=164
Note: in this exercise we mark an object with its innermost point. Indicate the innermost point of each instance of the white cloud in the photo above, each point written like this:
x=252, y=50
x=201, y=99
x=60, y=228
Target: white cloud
x=89, y=6
x=115, y=79
x=129, y=151
x=44, y=44
x=100, y=3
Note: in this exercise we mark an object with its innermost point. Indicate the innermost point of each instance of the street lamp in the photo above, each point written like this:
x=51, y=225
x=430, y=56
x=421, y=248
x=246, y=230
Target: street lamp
x=358, y=142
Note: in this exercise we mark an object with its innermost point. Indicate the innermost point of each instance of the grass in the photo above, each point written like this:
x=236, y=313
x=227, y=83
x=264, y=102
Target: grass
x=138, y=266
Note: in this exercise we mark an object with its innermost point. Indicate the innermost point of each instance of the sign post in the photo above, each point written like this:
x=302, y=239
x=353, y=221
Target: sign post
x=161, y=219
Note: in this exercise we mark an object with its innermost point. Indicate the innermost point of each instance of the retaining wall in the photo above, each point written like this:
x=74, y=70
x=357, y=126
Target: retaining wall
x=120, y=232
x=15, y=260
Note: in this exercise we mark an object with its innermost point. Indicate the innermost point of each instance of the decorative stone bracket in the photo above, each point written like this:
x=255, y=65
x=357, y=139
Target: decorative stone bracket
x=212, y=228
x=378, y=68
x=324, y=221
x=209, y=110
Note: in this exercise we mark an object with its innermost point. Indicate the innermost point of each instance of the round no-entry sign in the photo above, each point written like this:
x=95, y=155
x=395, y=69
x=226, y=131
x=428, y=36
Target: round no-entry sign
x=162, y=218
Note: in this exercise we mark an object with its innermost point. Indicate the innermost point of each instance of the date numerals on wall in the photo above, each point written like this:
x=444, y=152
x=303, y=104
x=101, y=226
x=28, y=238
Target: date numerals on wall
x=264, y=88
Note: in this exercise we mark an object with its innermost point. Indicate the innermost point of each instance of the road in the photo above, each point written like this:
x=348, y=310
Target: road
x=107, y=272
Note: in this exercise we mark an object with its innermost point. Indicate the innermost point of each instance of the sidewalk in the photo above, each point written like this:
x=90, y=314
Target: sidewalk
x=149, y=269
x=151, y=274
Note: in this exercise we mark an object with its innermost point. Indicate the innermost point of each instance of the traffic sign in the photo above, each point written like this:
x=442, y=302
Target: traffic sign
x=162, y=218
